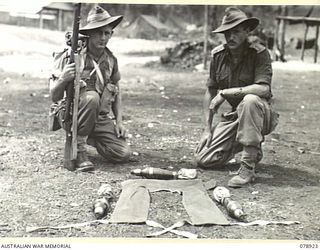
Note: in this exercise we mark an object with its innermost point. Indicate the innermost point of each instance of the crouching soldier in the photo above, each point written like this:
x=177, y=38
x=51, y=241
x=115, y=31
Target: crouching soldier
x=240, y=73
x=99, y=92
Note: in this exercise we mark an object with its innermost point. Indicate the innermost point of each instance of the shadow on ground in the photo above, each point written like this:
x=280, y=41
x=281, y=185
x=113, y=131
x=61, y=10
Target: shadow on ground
x=279, y=176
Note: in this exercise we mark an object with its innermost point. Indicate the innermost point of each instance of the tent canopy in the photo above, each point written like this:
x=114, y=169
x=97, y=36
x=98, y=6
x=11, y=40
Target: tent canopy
x=148, y=27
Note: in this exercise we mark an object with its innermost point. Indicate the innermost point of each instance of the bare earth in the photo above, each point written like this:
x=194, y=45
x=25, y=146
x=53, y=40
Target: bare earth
x=36, y=191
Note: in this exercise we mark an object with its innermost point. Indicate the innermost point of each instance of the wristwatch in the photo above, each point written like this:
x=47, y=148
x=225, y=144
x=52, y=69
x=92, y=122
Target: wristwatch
x=221, y=93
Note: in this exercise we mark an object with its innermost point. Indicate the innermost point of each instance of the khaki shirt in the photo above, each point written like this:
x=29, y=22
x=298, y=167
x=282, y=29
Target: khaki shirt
x=253, y=68
x=108, y=65
x=90, y=81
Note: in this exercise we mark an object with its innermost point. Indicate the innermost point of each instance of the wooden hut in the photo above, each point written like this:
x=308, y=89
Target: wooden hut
x=280, y=33
x=60, y=10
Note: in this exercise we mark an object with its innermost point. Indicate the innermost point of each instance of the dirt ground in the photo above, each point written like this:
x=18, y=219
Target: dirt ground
x=36, y=191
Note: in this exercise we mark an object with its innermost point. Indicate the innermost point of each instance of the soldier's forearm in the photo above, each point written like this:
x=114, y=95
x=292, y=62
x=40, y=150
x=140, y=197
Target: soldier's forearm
x=116, y=108
x=57, y=89
x=208, y=113
x=261, y=90
x=209, y=120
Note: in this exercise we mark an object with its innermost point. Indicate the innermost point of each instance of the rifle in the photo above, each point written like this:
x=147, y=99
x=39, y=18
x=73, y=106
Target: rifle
x=72, y=99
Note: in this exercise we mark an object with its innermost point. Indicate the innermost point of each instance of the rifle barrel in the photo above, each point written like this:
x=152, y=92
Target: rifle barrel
x=75, y=31
x=70, y=151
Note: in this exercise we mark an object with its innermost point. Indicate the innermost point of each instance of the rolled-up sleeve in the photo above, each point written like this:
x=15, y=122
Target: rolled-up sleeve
x=263, y=68
x=60, y=59
x=211, y=81
x=115, y=76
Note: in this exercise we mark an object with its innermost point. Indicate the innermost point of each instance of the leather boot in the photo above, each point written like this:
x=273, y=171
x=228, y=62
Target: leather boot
x=244, y=176
x=245, y=173
x=82, y=163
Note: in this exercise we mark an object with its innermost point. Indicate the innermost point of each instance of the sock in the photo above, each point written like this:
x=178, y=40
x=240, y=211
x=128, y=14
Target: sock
x=249, y=156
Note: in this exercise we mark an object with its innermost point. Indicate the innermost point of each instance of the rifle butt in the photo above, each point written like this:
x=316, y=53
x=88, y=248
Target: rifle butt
x=75, y=109
x=69, y=160
x=70, y=148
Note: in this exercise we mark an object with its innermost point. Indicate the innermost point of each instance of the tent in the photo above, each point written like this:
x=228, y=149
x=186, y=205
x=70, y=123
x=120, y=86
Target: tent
x=148, y=27
x=177, y=23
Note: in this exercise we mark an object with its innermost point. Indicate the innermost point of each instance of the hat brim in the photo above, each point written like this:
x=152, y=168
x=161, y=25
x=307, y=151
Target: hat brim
x=252, y=23
x=112, y=21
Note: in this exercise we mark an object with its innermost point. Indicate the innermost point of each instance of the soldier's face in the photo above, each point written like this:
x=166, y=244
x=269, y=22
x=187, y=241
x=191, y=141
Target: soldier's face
x=236, y=36
x=99, y=38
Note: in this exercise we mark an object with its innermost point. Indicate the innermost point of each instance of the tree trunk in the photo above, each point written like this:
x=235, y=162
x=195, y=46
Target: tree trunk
x=284, y=12
x=205, y=37
x=304, y=41
x=41, y=20
x=316, y=45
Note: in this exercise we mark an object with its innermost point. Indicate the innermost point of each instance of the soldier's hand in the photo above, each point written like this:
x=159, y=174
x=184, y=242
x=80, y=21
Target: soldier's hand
x=216, y=102
x=69, y=72
x=120, y=130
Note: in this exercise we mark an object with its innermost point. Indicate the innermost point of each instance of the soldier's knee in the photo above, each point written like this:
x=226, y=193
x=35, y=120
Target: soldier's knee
x=117, y=155
x=213, y=160
x=124, y=154
x=92, y=98
x=251, y=99
x=203, y=162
